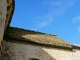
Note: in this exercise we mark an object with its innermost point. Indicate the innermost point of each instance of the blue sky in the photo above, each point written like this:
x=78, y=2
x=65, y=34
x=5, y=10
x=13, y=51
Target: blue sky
x=61, y=17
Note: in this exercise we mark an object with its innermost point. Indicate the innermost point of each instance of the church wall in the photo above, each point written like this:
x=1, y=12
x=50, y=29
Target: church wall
x=3, y=11
x=76, y=54
x=29, y=51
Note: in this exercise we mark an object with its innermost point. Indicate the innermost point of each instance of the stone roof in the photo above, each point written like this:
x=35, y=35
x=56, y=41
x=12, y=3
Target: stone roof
x=35, y=37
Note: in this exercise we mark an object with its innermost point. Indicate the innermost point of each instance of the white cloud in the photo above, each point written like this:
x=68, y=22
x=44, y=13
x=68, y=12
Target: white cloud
x=59, y=7
x=43, y=21
x=78, y=29
x=56, y=8
x=77, y=44
x=76, y=19
x=51, y=2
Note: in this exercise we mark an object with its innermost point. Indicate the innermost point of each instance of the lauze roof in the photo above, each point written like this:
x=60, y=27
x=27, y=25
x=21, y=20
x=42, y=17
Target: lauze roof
x=35, y=37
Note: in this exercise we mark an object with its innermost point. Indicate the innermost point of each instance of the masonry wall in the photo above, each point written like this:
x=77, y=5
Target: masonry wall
x=3, y=9
x=76, y=54
x=28, y=51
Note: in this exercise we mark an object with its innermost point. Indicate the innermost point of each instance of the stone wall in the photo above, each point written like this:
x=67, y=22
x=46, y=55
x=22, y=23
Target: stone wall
x=3, y=11
x=28, y=51
x=76, y=54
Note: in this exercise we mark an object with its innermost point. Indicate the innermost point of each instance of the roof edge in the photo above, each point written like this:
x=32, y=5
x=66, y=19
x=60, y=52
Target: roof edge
x=12, y=39
x=75, y=47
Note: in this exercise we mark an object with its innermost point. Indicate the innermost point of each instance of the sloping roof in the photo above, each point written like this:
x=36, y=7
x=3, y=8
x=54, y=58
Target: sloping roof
x=75, y=47
x=36, y=37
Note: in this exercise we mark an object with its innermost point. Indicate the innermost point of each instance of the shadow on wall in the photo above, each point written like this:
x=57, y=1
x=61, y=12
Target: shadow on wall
x=22, y=35
x=24, y=51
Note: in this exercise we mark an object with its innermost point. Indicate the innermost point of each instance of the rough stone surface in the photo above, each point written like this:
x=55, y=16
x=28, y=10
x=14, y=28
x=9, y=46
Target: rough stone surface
x=27, y=51
x=3, y=11
x=6, y=12
x=10, y=11
x=37, y=37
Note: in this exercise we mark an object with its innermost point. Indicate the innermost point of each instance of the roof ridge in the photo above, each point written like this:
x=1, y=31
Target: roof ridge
x=31, y=30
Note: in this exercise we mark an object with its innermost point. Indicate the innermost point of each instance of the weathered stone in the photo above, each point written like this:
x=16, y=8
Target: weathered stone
x=3, y=11
x=28, y=51
x=6, y=12
x=10, y=11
